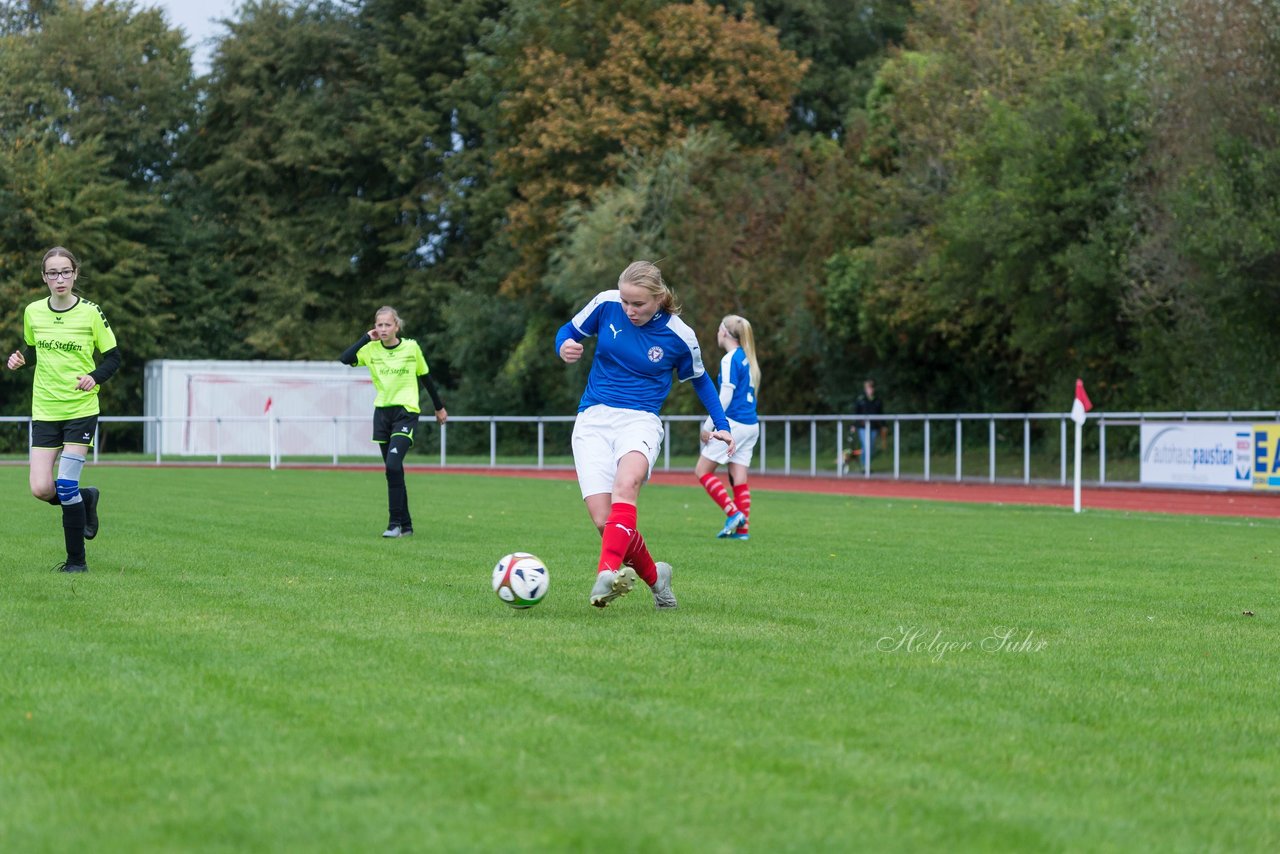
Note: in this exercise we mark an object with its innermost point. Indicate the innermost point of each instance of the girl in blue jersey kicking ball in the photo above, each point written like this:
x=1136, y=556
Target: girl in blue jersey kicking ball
x=617, y=433
x=739, y=382
x=396, y=366
x=62, y=331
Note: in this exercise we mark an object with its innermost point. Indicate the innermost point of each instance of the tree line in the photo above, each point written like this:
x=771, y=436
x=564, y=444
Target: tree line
x=973, y=201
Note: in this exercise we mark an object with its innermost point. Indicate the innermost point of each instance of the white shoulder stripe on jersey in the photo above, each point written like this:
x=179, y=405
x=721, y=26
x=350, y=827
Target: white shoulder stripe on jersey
x=596, y=301
x=680, y=328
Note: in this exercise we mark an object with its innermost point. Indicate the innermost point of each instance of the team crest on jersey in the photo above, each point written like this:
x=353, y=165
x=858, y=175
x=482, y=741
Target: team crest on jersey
x=655, y=354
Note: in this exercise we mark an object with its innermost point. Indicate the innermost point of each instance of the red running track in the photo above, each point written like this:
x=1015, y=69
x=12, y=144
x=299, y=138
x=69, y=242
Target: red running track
x=1262, y=505
x=1256, y=504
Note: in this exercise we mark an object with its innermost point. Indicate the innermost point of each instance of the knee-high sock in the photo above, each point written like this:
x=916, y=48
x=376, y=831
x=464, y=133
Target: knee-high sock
x=639, y=559
x=73, y=531
x=616, y=536
x=397, y=495
x=715, y=488
x=742, y=495
x=392, y=517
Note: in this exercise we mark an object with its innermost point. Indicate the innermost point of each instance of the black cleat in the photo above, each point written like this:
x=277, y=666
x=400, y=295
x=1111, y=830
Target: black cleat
x=67, y=566
x=90, y=496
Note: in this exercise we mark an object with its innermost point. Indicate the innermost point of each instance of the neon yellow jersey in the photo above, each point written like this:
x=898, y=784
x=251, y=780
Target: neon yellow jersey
x=395, y=371
x=64, y=342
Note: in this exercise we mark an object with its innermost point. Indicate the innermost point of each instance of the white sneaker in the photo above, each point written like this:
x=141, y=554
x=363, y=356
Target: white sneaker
x=663, y=598
x=611, y=584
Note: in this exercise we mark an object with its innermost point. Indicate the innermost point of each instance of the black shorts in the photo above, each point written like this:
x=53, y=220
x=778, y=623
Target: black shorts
x=391, y=421
x=52, y=435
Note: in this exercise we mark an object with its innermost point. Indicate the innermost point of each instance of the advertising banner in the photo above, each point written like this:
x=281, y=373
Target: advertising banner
x=1266, y=456
x=1197, y=454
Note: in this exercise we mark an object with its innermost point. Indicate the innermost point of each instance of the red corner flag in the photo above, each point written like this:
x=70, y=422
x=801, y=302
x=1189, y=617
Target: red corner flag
x=267, y=408
x=1081, y=405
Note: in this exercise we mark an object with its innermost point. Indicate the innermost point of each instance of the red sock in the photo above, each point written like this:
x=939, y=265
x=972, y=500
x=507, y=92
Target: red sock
x=616, y=536
x=718, y=493
x=742, y=494
x=639, y=559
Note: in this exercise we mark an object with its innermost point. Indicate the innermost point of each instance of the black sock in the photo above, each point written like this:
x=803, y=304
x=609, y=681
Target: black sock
x=406, y=521
x=73, y=531
x=397, y=499
x=391, y=506
x=397, y=495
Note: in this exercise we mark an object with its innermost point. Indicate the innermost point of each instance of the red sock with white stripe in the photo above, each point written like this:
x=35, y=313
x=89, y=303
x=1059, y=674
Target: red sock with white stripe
x=742, y=494
x=639, y=559
x=720, y=495
x=616, y=536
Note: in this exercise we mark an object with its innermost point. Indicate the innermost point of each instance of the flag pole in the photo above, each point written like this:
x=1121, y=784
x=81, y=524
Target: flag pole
x=1079, y=407
x=1079, y=431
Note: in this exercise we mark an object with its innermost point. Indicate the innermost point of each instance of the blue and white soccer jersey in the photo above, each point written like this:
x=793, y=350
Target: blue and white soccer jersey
x=629, y=381
x=735, y=371
x=744, y=422
x=633, y=364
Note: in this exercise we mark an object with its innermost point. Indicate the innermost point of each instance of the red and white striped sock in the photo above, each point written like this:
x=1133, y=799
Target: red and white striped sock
x=639, y=559
x=718, y=493
x=742, y=495
x=616, y=536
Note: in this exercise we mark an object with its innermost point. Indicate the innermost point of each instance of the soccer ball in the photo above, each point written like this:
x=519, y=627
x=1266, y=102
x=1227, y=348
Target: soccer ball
x=520, y=580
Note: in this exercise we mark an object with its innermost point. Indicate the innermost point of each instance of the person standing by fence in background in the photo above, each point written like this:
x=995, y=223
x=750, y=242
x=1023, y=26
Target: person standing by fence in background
x=63, y=330
x=617, y=434
x=866, y=429
x=739, y=386
x=396, y=366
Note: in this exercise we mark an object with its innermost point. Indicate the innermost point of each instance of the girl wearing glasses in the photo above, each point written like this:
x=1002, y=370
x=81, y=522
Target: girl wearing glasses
x=396, y=366
x=739, y=381
x=62, y=331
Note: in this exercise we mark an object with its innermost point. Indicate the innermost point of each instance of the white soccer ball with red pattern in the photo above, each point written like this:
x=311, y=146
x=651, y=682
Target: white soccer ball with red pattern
x=520, y=580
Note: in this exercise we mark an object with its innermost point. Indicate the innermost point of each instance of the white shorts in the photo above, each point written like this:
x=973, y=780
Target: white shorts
x=745, y=437
x=602, y=435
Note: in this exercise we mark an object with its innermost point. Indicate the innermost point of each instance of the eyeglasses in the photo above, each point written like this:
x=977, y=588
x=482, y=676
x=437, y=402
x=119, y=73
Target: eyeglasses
x=54, y=275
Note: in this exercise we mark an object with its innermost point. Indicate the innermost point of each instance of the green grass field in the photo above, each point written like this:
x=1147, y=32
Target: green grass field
x=249, y=667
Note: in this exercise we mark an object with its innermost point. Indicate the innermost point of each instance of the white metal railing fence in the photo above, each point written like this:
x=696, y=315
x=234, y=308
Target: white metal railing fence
x=834, y=429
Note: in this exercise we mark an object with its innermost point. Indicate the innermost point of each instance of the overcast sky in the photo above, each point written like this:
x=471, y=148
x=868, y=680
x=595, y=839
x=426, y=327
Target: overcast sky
x=197, y=18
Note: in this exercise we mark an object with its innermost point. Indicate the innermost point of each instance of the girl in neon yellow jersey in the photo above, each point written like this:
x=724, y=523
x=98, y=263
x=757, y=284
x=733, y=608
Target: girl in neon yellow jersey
x=62, y=331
